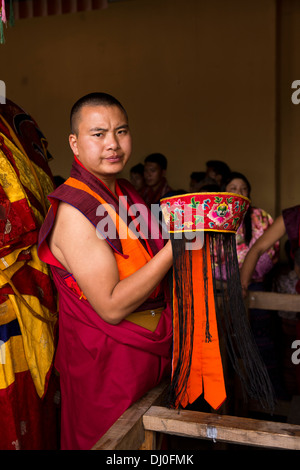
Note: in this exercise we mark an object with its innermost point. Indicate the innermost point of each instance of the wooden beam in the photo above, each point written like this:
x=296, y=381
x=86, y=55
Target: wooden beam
x=274, y=301
x=222, y=428
x=128, y=432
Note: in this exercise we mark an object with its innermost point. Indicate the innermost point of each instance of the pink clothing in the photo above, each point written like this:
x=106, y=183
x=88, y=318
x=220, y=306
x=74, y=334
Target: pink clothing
x=260, y=221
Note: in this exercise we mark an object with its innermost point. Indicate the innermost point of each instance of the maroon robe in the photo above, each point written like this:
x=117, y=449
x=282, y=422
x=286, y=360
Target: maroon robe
x=103, y=368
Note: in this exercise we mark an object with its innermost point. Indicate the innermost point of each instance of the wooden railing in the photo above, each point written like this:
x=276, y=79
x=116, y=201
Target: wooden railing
x=274, y=301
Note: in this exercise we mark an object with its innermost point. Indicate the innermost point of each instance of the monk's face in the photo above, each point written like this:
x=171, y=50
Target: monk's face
x=103, y=140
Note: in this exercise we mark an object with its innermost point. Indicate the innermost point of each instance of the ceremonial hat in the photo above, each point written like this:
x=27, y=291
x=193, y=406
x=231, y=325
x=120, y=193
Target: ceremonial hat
x=208, y=305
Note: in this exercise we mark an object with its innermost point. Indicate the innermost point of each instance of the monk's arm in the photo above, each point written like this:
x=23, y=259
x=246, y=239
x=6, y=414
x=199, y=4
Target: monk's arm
x=265, y=242
x=76, y=245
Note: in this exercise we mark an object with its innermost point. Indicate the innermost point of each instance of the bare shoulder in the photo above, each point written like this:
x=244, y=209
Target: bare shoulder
x=71, y=234
x=68, y=220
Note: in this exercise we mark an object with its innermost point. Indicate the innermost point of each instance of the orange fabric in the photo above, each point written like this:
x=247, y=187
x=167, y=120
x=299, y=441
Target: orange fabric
x=206, y=371
x=130, y=243
x=210, y=365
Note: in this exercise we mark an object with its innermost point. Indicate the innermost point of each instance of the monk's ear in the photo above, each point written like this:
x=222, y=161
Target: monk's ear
x=73, y=143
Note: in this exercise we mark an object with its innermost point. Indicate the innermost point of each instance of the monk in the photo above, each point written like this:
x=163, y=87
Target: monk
x=115, y=322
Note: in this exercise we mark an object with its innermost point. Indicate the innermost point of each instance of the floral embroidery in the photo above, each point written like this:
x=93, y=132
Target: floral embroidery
x=205, y=204
x=194, y=204
x=236, y=205
x=219, y=211
x=199, y=219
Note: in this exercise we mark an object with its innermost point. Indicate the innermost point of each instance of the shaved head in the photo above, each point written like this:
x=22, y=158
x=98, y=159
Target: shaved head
x=92, y=99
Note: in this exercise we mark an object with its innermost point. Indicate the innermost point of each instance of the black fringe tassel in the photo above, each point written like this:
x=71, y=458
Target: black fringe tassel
x=232, y=319
x=233, y=322
x=182, y=264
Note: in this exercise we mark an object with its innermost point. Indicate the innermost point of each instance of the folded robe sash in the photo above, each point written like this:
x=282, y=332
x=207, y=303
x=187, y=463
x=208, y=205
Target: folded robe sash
x=104, y=368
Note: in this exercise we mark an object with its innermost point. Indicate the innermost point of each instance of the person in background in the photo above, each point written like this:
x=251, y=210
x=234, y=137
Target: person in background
x=287, y=223
x=255, y=224
x=199, y=179
x=288, y=282
x=137, y=177
x=218, y=171
x=196, y=179
x=155, y=178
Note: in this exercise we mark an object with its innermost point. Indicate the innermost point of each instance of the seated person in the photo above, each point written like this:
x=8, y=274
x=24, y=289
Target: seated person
x=255, y=223
x=287, y=223
x=137, y=177
x=217, y=170
x=198, y=180
x=155, y=178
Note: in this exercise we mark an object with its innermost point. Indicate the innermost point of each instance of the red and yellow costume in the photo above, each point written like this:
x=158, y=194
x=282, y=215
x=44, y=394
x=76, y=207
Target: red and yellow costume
x=27, y=295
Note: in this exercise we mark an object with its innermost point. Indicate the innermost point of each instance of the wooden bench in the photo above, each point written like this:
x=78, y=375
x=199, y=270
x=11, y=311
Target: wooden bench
x=274, y=301
x=137, y=428
x=222, y=428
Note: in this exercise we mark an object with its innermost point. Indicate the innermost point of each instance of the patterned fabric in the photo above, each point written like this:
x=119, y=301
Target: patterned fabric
x=260, y=221
x=27, y=296
x=221, y=212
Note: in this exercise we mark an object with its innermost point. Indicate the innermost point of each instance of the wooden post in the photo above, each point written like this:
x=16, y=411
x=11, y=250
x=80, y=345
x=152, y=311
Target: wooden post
x=149, y=442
